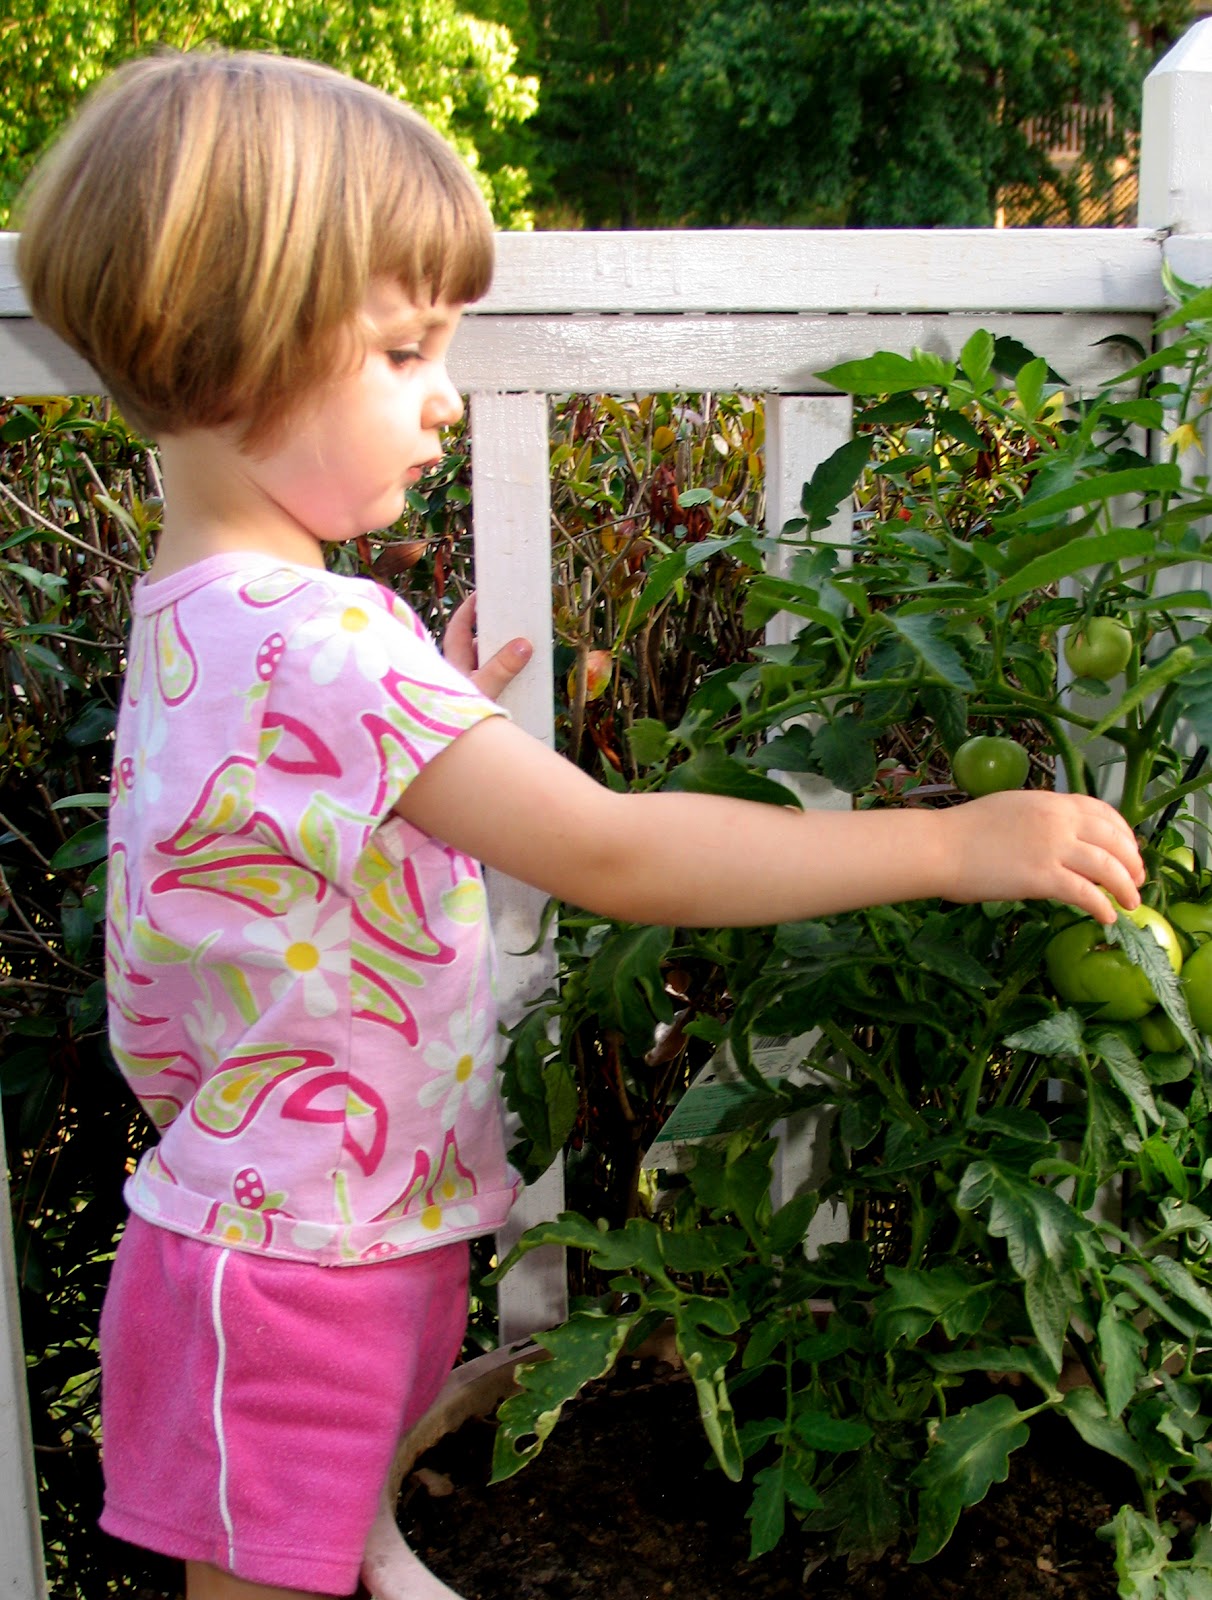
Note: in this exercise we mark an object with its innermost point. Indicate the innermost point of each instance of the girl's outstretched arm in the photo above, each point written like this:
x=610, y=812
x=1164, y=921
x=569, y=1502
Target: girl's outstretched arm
x=695, y=860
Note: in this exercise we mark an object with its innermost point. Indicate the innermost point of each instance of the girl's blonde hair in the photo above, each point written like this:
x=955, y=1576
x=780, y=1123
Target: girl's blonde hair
x=209, y=224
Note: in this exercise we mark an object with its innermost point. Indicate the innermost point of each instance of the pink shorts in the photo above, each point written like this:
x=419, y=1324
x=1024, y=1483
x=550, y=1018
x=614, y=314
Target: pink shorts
x=251, y=1407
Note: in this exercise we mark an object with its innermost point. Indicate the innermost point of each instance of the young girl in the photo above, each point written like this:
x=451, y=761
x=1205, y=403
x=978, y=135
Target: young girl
x=266, y=263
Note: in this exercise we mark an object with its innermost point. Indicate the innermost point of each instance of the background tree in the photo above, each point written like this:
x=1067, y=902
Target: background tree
x=896, y=112
x=862, y=112
x=455, y=64
x=601, y=126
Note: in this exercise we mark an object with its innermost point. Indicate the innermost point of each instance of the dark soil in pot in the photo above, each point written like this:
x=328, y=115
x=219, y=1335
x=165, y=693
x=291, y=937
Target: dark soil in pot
x=620, y=1503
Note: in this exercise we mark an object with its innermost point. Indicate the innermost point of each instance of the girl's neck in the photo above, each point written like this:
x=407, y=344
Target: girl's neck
x=211, y=507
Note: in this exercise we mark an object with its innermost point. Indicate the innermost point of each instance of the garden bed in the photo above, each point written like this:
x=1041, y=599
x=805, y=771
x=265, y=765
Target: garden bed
x=621, y=1501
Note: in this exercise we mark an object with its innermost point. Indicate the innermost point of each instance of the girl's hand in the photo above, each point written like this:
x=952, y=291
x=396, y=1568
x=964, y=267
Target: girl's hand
x=1032, y=844
x=459, y=648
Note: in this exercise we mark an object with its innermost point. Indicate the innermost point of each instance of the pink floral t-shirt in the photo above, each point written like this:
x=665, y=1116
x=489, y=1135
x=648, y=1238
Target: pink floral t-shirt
x=300, y=982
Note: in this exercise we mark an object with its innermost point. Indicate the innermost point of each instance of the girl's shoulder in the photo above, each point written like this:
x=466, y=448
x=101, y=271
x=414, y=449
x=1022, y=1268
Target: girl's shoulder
x=258, y=585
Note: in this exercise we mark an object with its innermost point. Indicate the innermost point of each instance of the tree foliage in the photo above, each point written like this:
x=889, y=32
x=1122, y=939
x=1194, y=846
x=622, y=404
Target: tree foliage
x=867, y=112
x=454, y=63
x=602, y=115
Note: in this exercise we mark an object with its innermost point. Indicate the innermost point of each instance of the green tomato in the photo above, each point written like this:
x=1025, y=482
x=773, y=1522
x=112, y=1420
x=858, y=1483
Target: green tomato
x=1085, y=969
x=1197, y=986
x=1159, y=1034
x=1182, y=856
x=1193, y=921
x=1101, y=650
x=989, y=763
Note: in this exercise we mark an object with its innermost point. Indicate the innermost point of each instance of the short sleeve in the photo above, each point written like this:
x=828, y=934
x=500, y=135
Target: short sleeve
x=359, y=701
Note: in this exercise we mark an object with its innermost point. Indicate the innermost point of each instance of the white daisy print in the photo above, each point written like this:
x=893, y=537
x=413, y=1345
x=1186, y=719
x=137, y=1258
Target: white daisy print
x=304, y=952
x=464, y=1067
x=150, y=738
x=205, y=1027
x=343, y=628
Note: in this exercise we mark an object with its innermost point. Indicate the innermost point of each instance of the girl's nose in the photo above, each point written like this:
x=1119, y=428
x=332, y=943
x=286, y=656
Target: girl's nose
x=445, y=404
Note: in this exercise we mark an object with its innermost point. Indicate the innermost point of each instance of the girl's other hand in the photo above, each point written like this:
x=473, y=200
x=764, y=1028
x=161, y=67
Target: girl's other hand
x=459, y=648
x=1032, y=844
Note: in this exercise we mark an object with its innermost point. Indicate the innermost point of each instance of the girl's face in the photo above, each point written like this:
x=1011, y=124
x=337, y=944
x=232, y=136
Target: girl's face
x=346, y=459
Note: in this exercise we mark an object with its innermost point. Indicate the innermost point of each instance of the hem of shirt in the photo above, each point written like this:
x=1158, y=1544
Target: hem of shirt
x=347, y=1245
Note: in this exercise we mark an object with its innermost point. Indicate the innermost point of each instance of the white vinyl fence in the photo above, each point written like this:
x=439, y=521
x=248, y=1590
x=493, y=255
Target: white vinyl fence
x=754, y=311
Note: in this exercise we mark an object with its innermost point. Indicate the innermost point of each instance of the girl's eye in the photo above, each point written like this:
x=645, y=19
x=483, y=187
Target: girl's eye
x=403, y=358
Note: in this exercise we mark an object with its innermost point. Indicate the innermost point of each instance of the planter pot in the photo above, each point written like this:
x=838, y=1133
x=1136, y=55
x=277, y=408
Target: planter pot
x=390, y=1569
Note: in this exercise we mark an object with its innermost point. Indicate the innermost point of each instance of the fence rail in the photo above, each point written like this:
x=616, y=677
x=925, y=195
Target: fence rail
x=752, y=311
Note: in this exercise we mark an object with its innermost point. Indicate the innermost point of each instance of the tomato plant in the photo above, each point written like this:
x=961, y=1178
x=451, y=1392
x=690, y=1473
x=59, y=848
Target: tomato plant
x=1099, y=647
x=989, y=762
x=972, y=1108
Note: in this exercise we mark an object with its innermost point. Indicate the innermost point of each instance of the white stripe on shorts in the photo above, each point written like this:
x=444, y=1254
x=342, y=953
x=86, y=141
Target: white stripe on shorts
x=216, y=1319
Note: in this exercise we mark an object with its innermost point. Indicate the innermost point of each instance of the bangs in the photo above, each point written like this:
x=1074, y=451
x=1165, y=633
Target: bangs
x=436, y=244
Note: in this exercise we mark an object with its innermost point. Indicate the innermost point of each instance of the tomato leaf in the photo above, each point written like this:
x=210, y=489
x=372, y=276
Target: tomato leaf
x=585, y=1347
x=970, y=1452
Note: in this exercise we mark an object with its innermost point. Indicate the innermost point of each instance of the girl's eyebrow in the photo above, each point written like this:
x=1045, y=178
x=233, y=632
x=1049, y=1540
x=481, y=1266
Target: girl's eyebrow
x=412, y=325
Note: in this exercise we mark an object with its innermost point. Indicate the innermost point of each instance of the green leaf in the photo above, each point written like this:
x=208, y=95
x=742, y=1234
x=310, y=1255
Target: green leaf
x=1041, y=1234
x=540, y=1088
x=1027, y=1359
x=1029, y=383
x=969, y=1453
x=1086, y=1411
x=90, y=844
x=696, y=1322
x=834, y=481
x=1182, y=1284
x=1092, y=550
x=1143, y=951
x=23, y=1068
x=93, y=725
x=650, y=741
x=625, y=986
x=934, y=952
x=915, y=1300
x=584, y=1348
x=1142, y=1552
x=1127, y=1073
x=1015, y=1122
x=845, y=752
x=1193, y=700
x=1058, y=1035
x=861, y=1507
x=819, y=1430
x=710, y=771
x=886, y=372
x=925, y=636
x=1163, y=479
x=1120, y=1343
x=768, y=1509
x=1130, y=1279
x=976, y=358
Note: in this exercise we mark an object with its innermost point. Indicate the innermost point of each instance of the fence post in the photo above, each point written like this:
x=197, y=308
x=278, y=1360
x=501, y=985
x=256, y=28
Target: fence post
x=511, y=513
x=1176, y=134
x=801, y=432
x=22, y=1572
